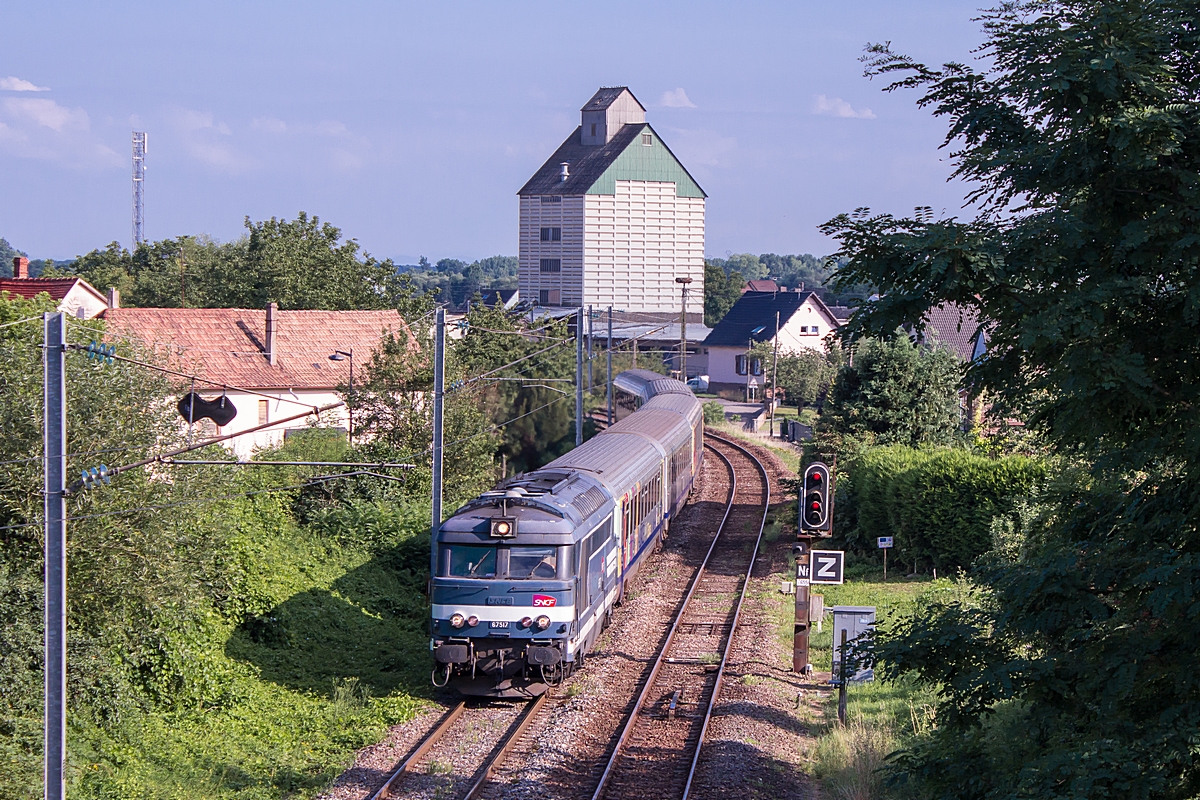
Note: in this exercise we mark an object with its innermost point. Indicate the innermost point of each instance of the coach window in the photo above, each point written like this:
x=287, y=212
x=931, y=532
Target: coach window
x=525, y=563
x=470, y=561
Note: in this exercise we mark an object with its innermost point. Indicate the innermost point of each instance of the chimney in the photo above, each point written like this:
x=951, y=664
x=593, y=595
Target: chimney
x=272, y=326
x=566, y=171
x=20, y=267
x=114, y=297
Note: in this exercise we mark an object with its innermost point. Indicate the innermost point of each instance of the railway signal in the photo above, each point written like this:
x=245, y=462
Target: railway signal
x=815, y=502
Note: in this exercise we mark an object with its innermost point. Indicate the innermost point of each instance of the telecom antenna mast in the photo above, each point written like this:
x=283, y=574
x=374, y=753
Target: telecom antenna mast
x=139, y=187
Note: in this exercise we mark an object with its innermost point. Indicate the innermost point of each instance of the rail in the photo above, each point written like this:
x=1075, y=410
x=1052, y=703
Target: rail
x=662, y=658
x=486, y=769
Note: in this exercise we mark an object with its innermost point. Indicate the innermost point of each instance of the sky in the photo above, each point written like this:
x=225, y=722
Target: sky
x=411, y=126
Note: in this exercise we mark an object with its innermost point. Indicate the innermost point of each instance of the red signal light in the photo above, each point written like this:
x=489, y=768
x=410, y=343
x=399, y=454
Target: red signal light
x=815, y=477
x=816, y=506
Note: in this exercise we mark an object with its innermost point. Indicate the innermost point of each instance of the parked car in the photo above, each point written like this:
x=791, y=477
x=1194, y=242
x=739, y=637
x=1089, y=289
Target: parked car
x=698, y=383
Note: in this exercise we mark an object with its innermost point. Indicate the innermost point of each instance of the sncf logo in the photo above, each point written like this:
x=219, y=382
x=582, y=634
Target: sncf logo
x=544, y=601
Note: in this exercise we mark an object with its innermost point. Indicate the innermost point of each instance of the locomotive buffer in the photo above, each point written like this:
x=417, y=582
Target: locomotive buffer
x=815, y=521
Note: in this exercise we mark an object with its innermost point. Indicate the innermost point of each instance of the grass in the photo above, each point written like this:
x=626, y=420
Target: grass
x=879, y=716
x=324, y=672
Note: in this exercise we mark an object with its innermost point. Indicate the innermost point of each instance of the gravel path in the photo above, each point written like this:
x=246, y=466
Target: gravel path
x=759, y=743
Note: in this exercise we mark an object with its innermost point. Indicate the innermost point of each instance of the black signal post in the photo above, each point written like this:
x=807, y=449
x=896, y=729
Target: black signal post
x=815, y=520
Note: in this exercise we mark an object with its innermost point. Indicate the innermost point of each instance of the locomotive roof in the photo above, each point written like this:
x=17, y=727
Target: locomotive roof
x=644, y=384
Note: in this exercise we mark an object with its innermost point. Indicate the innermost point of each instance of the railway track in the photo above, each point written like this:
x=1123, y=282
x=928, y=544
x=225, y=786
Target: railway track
x=422, y=774
x=659, y=746
x=667, y=720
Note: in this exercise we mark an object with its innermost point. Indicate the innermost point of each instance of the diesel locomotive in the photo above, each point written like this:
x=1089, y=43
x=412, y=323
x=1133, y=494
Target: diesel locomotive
x=528, y=573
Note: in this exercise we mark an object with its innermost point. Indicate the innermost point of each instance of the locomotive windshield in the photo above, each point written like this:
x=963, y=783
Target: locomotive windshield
x=467, y=561
x=532, y=562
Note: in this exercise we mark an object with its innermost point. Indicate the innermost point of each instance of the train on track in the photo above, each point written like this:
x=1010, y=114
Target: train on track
x=528, y=573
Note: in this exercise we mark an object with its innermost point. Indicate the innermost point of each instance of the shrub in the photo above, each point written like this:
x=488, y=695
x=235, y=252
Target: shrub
x=714, y=413
x=938, y=504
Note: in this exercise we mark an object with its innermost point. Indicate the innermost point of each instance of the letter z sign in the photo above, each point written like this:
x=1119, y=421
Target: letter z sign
x=828, y=566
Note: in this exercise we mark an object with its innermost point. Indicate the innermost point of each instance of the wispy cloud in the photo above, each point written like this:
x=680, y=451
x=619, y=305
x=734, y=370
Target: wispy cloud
x=39, y=128
x=206, y=139
x=837, y=107
x=329, y=141
x=11, y=84
x=676, y=99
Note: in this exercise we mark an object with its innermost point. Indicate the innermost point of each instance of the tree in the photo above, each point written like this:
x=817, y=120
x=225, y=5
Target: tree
x=1069, y=670
x=721, y=291
x=895, y=392
x=299, y=264
x=804, y=375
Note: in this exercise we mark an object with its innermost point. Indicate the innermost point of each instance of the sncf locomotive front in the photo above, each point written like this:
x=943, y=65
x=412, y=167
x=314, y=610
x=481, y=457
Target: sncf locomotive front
x=505, y=618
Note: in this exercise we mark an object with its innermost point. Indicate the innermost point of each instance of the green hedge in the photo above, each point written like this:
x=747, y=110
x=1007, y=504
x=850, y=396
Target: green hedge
x=938, y=504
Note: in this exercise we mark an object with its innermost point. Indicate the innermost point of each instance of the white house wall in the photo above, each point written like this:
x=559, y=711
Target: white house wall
x=281, y=404
x=637, y=242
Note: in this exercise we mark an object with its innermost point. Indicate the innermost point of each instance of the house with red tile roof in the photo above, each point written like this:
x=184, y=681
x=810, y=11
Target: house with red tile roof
x=269, y=364
x=74, y=296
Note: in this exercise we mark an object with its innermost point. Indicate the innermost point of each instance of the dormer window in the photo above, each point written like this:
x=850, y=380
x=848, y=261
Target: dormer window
x=593, y=129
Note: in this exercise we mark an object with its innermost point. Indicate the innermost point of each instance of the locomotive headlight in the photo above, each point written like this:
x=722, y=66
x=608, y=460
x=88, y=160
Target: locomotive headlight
x=543, y=622
x=526, y=622
x=457, y=621
x=472, y=620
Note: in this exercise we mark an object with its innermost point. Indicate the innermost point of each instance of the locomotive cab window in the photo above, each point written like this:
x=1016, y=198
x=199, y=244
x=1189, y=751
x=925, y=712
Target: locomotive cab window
x=470, y=561
x=525, y=562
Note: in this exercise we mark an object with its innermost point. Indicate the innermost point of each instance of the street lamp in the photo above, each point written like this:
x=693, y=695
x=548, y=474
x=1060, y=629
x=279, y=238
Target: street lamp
x=342, y=355
x=683, y=284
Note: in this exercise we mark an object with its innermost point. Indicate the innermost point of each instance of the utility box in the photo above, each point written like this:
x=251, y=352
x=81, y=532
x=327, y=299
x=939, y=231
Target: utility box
x=849, y=624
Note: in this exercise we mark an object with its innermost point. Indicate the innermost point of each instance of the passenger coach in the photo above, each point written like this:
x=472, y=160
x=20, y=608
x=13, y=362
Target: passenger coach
x=528, y=573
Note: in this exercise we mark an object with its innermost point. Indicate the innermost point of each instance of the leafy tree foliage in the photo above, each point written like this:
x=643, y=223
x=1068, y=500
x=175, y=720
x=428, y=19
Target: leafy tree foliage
x=300, y=264
x=895, y=392
x=1070, y=671
x=721, y=291
x=803, y=376
x=456, y=282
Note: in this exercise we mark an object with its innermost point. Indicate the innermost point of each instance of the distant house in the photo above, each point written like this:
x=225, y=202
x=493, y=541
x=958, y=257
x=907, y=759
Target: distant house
x=275, y=364
x=500, y=298
x=957, y=328
x=612, y=218
x=74, y=296
x=760, y=285
x=804, y=323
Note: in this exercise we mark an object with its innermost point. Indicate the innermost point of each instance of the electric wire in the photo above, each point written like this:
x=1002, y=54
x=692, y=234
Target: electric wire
x=19, y=322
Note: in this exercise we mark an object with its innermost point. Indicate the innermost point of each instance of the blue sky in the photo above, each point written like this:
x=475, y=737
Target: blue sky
x=412, y=125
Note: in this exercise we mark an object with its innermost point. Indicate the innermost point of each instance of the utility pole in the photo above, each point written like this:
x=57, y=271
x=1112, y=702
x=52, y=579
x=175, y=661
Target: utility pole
x=775, y=374
x=439, y=402
x=579, y=378
x=683, y=284
x=609, y=396
x=589, y=349
x=55, y=440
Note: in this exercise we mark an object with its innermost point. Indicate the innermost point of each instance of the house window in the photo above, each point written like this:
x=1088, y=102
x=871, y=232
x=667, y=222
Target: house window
x=756, y=366
x=550, y=297
x=739, y=365
x=647, y=139
x=593, y=129
x=551, y=264
x=551, y=198
x=263, y=412
x=551, y=234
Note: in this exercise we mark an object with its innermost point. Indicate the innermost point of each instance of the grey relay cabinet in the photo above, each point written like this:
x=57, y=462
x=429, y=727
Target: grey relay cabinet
x=849, y=623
